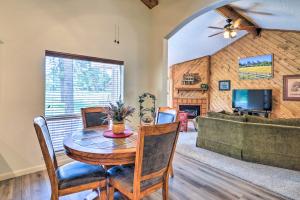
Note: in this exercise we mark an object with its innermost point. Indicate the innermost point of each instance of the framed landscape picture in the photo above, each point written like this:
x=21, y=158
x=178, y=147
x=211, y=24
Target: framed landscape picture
x=291, y=87
x=258, y=67
x=224, y=85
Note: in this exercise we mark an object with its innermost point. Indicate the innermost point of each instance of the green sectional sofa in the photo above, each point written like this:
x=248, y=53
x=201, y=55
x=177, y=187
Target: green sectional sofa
x=273, y=142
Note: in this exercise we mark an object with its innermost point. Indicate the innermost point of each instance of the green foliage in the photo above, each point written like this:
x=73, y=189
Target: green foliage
x=118, y=112
x=86, y=77
x=144, y=111
x=255, y=64
x=54, y=73
x=90, y=78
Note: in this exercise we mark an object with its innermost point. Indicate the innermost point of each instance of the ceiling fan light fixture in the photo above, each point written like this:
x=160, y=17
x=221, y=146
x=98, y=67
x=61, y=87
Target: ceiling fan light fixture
x=233, y=34
x=226, y=34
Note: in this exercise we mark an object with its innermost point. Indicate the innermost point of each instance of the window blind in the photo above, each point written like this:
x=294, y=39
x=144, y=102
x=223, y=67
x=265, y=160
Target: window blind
x=73, y=82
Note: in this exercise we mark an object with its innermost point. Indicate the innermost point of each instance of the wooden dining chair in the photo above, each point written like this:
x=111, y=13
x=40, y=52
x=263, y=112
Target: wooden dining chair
x=166, y=115
x=94, y=117
x=184, y=121
x=72, y=177
x=152, y=164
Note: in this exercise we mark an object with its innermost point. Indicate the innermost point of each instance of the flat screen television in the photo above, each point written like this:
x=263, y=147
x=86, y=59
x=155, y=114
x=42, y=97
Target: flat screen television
x=259, y=100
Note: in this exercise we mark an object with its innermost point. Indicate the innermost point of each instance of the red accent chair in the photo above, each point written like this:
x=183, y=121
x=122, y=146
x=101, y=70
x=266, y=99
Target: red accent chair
x=183, y=118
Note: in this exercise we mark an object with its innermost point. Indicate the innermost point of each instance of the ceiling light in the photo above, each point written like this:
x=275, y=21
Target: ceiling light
x=232, y=34
x=226, y=34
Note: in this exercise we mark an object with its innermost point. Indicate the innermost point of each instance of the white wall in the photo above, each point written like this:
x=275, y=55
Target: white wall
x=28, y=28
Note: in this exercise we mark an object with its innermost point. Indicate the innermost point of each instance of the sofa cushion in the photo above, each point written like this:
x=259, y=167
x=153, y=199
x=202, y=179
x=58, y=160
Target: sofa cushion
x=271, y=144
x=229, y=113
x=257, y=119
x=222, y=136
x=227, y=116
x=258, y=140
x=280, y=121
x=287, y=122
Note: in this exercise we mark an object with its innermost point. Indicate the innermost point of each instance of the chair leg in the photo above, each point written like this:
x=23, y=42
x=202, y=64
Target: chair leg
x=111, y=191
x=103, y=194
x=165, y=189
x=54, y=197
x=171, y=171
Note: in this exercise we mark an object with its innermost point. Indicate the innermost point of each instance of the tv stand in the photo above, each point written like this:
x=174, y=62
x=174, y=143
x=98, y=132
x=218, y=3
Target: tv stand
x=265, y=114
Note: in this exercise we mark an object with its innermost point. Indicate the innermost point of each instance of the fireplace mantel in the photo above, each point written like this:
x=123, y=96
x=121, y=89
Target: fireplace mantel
x=190, y=89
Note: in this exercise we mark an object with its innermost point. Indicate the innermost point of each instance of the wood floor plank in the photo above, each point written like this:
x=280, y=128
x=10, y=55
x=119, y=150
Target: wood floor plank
x=17, y=189
x=193, y=181
x=26, y=185
x=8, y=189
x=223, y=179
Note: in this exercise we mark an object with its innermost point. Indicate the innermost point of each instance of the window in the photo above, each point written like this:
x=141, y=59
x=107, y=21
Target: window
x=73, y=82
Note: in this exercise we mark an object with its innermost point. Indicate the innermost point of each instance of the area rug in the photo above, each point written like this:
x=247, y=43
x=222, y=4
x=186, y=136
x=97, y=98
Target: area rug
x=282, y=181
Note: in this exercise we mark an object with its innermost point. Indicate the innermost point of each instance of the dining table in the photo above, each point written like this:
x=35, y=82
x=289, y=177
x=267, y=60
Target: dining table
x=91, y=146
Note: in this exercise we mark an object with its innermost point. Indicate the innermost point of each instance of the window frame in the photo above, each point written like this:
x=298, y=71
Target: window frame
x=78, y=57
x=82, y=57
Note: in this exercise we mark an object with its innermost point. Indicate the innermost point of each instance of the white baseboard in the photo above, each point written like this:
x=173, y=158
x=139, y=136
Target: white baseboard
x=21, y=172
x=62, y=159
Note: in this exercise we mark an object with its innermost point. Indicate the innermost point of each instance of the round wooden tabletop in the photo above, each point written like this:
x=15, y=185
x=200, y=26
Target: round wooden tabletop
x=90, y=146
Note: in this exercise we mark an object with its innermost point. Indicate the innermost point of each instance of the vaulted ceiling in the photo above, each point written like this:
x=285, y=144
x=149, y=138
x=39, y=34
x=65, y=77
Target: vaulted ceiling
x=192, y=40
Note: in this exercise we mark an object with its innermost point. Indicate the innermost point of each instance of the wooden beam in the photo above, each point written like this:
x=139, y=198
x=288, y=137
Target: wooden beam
x=229, y=13
x=150, y=3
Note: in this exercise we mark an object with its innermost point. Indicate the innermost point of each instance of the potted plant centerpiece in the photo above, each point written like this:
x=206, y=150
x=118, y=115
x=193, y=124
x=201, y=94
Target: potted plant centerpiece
x=118, y=114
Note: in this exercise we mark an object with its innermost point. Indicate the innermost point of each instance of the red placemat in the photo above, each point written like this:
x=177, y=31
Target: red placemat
x=110, y=134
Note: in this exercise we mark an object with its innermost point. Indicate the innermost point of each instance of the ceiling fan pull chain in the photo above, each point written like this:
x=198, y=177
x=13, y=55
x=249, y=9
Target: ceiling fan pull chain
x=118, y=35
x=115, y=32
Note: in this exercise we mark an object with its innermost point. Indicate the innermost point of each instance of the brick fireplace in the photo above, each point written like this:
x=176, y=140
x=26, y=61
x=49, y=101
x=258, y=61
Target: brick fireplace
x=192, y=110
x=190, y=94
x=178, y=102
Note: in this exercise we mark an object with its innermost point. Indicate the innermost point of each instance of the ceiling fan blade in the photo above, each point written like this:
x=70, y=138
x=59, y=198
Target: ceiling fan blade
x=260, y=13
x=237, y=23
x=214, y=27
x=216, y=34
x=252, y=11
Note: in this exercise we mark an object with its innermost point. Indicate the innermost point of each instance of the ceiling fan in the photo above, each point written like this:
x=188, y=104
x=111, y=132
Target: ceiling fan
x=231, y=28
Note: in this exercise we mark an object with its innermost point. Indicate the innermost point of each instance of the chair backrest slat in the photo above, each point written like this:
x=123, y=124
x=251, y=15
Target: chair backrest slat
x=94, y=116
x=42, y=132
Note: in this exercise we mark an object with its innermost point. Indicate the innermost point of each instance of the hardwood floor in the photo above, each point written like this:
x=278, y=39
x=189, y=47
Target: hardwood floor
x=193, y=180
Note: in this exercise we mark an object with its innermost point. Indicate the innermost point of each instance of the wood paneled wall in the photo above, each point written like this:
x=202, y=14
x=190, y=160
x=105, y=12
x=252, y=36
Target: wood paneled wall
x=200, y=66
x=285, y=46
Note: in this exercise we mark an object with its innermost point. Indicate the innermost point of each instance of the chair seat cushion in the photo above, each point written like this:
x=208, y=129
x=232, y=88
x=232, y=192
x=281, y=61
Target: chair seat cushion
x=77, y=173
x=119, y=196
x=124, y=176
